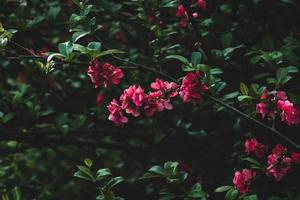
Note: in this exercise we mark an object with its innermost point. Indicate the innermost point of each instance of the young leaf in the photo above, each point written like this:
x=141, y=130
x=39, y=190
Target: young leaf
x=88, y=162
x=107, y=52
x=77, y=35
x=196, y=58
x=182, y=59
x=244, y=89
x=65, y=49
x=223, y=188
x=103, y=172
x=157, y=170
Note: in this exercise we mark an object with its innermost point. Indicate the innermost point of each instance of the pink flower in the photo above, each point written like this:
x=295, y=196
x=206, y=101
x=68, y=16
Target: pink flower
x=152, y=104
x=180, y=11
x=116, y=114
x=281, y=95
x=183, y=22
x=167, y=91
x=279, y=150
x=108, y=75
x=111, y=75
x=132, y=100
x=253, y=146
x=289, y=113
x=242, y=180
x=94, y=73
x=278, y=166
x=165, y=87
x=296, y=157
x=99, y=99
x=191, y=88
x=262, y=109
x=182, y=14
x=201, y=4
x=265, y=94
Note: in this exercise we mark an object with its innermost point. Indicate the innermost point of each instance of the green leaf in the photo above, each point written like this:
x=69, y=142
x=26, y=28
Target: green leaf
x=82, y=175
x=230, y=95
x=103, y=173
x=182, y=59
x=251, y=197
x=95, y=46
x=281, y=75
x=150, y=176
x=77, y=35
x=223, y=188
x=244, y=89
x=1, y=28
x=107, y=52
x=234, y=194
x=244, y=97
x=253, y=161
x=88, y=162
x=292, y=69
x=86, y=171
x=54, y=55
x=196, y=192
x=157, y=170
x=65, y=49
x=114, y=181
x=196, y=58
x=228, y=194
x=8, y=117
x=17, y=193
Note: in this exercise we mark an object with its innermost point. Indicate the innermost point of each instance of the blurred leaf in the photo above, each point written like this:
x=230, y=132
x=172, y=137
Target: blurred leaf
x=77, y=35
x=223, y=188
x=196, y=58
x=182, y=59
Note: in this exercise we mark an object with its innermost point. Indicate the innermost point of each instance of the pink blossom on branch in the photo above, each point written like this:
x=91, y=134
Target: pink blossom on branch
x=192, y=88
x=152, y=104
x=160, y=99
x=109, y=74
x=253, y=146
x=132, y=100
x=116, y=113
x=262, y=109
x=243, y=180
x=278, y=163
x=180, y=11
x=278, y=166
x=295, y=157
x=288, y=112
x=94, y=73
x=201, y=4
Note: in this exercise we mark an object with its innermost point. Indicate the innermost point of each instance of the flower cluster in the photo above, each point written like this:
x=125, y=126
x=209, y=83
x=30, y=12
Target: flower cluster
x=182, y=14
x=107, y=75
x=243, y=180
x=192, y=88
x=134, y=101
x=277, y=102
x=253, y=146
x=278, y=163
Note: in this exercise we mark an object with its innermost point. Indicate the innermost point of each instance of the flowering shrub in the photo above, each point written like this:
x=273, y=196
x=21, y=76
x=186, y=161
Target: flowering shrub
x=160, y=99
